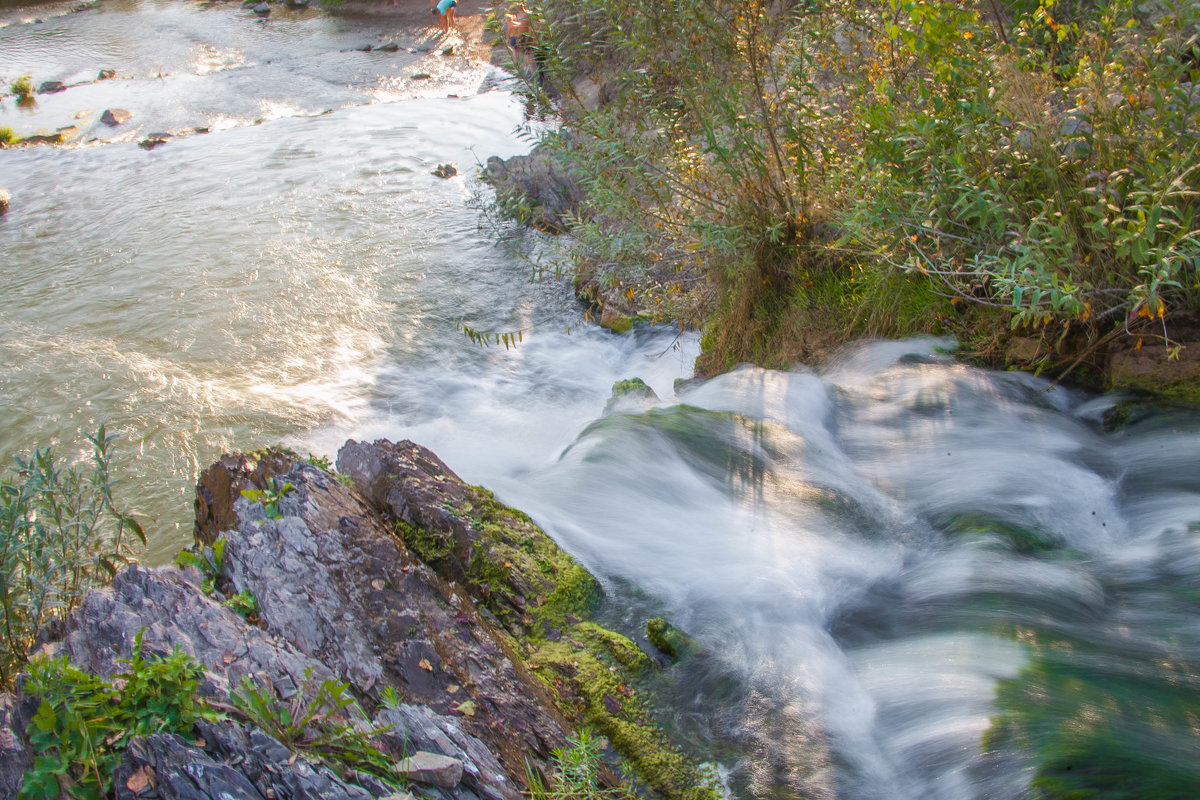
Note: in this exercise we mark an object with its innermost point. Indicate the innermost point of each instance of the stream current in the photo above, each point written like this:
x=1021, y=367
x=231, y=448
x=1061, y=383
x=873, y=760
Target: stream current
x=913, y=579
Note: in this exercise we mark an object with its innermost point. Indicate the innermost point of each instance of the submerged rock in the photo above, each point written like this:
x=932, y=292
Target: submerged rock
x=51, y=87
x=153, y=140
x=5, y=197
x=115, y=116
x=445, y=171
x=106, y=74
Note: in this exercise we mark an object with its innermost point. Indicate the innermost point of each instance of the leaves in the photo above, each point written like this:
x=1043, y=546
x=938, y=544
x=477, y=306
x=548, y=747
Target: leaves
x=61, y=532
x=83, y=722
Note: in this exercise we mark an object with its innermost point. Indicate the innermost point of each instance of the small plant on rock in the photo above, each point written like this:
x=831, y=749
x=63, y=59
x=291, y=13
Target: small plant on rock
x=209, y=560
x=320, y=720
x=269, y=498
x=245, y=604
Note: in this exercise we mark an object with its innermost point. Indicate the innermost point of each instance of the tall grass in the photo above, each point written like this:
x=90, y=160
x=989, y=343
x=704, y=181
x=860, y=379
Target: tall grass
x=61, y=533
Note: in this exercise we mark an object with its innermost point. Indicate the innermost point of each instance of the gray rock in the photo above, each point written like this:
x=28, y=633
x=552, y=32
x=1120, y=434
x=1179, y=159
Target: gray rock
x=389, y=47
x=115, y=116
x=545, y=184
x=431, y=769
x=262, y=9
x=153, y=140
x=51, y=87
x=14, y=755
x=422, y=728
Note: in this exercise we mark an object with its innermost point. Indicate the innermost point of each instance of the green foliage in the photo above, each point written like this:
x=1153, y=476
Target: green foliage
x=8, y=136
x=1039, y=160
x=1053, y=174
x=705, y=162
x=320, y=462
x=210, y=560
x=577, y=773
x=269, y=498
x=83, y=723
x=391, y=698
x=22, y=87
x=320, y=720
x=61, y=533
x=244, y=603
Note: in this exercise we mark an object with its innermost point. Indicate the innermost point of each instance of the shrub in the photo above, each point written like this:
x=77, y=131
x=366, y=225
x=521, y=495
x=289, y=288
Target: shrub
x=22, y=87
x=84, y=723
x=8, y=136
x=61, y=533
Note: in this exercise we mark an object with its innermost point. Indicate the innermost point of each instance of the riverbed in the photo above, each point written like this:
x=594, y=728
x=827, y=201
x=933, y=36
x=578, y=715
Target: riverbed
x=913, y=579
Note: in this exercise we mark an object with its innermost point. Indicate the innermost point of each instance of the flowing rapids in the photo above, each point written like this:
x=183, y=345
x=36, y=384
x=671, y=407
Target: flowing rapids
x=910, y=578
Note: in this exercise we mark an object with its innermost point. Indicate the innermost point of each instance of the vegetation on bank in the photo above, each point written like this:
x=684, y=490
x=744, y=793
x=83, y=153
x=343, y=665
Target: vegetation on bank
x=61, y=533
x=790, y=176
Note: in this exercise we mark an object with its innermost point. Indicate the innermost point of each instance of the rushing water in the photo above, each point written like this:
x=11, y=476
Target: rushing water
x=913, y=579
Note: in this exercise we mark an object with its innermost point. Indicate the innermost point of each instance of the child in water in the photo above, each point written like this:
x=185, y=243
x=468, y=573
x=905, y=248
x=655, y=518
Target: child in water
x=446, y=9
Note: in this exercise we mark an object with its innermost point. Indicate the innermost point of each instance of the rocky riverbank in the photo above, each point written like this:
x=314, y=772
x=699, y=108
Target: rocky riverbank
x=466, y=637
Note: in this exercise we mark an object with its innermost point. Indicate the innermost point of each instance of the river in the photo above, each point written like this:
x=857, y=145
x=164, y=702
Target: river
x=914, y=579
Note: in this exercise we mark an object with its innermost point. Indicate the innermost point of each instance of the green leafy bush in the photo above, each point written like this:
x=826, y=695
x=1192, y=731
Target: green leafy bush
x=61, y=533
x=8, y=136
x=22, y=87
x=770, y=168
x=83, y=723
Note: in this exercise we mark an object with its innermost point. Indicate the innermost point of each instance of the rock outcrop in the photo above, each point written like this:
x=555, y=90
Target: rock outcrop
x=536, y=189
x=457, y=625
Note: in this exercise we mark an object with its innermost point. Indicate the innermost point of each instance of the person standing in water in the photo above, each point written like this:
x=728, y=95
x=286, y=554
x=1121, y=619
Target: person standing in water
x=446, y=9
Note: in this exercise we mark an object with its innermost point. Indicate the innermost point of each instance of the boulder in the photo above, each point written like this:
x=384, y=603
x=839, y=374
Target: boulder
x=388, y=47
x=432, y=769
x=51, y=87
x=539, y=183
x=106, y=74
x=262, y=9
x=445, y=171
x=115, y=116
x=153, y=140
x=58, y=137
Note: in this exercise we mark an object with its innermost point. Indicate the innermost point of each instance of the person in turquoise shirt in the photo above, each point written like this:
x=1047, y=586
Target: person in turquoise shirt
x=446, y=9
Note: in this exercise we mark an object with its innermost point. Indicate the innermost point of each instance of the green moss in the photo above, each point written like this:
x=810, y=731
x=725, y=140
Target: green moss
x=1100, y=727
x=591, y=683
x=546, y=601
x=618, y=323
x=630, y=386
x=669, y=640
x=431, y=546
